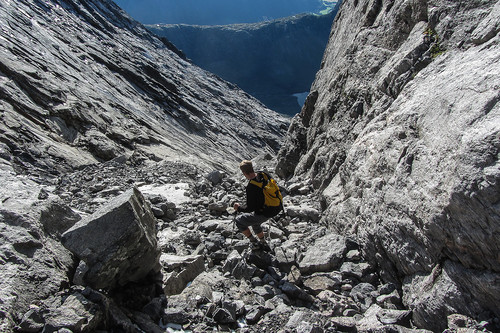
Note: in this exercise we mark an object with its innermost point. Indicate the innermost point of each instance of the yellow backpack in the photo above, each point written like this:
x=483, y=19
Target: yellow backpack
x=272, y=194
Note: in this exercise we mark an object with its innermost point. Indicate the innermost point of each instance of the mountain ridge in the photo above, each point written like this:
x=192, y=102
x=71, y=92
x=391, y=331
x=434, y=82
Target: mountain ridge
x=271, y=60
x=219, y=12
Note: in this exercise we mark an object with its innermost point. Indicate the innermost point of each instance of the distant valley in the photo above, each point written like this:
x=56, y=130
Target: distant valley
x=271, y=60
x=219, y=12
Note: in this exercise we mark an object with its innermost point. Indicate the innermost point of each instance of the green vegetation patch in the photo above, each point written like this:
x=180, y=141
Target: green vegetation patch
x=328, y=6
x=436, y=48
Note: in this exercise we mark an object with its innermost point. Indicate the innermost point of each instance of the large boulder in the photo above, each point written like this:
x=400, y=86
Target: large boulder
x=325, y=255
x=117, y=244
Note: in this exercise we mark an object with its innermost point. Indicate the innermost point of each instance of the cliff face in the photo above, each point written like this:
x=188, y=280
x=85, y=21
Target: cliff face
x=270, y=60
x=82, y=83
x=401, y=136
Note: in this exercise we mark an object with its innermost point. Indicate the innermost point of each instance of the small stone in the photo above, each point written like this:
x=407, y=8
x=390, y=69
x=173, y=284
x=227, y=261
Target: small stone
x=175, y=315
x=344, y=324
x=254, y=314
x=265, y=292
x=158, y=212
x=224, y=316
x=353, y=255
x=346, y=287
x=349, y=313
x=215, y=177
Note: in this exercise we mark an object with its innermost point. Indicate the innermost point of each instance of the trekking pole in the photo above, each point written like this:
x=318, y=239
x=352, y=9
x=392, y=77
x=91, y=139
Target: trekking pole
x=232, y=211
x=278, y=223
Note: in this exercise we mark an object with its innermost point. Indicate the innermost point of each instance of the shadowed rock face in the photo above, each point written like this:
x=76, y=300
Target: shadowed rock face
x=81, y=83
x=401, y=136
x=270, y=60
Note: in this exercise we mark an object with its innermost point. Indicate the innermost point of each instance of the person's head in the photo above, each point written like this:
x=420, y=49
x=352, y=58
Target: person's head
x=247, y=168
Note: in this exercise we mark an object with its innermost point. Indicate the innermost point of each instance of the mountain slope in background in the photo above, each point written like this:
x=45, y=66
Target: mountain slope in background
x=82, y=83
x=219, y=12
x=270, y=60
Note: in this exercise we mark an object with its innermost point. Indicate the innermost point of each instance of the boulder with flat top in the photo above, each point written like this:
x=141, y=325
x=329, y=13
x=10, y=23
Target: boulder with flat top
x=117, y=244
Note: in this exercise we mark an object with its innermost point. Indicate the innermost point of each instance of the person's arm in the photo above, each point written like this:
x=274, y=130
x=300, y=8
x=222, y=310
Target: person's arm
x=255, y=200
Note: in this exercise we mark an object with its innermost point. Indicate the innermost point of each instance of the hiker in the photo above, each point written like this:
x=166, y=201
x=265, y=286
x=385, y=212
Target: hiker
x=260, y=206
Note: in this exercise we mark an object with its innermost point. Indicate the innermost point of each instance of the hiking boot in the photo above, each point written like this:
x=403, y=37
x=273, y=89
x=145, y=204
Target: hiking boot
x=255, y=246
x=264, y=246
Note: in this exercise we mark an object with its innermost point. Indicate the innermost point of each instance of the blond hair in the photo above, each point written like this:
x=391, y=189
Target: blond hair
x=246, y=167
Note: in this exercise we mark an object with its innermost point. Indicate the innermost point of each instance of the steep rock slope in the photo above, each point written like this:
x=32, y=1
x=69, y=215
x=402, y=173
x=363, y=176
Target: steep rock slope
x=81, y=83
x=270, y=60
x=401, y=135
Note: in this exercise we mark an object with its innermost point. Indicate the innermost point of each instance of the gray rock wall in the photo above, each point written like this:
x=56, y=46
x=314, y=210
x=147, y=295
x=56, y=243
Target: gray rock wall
x=33, y=262
x=401, y=136
x=82, y=83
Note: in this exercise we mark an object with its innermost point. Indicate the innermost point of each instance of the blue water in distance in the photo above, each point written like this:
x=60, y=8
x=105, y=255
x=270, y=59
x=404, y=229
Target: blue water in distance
x=218, y=12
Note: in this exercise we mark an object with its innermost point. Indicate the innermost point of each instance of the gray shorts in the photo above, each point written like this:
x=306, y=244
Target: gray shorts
x=245, y=220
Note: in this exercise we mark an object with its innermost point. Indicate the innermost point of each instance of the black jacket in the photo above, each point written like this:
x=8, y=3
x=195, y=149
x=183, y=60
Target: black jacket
x=255, y=201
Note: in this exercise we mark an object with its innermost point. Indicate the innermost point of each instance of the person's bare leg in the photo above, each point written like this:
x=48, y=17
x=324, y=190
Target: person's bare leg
x=247, y=233
x=253, y=241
